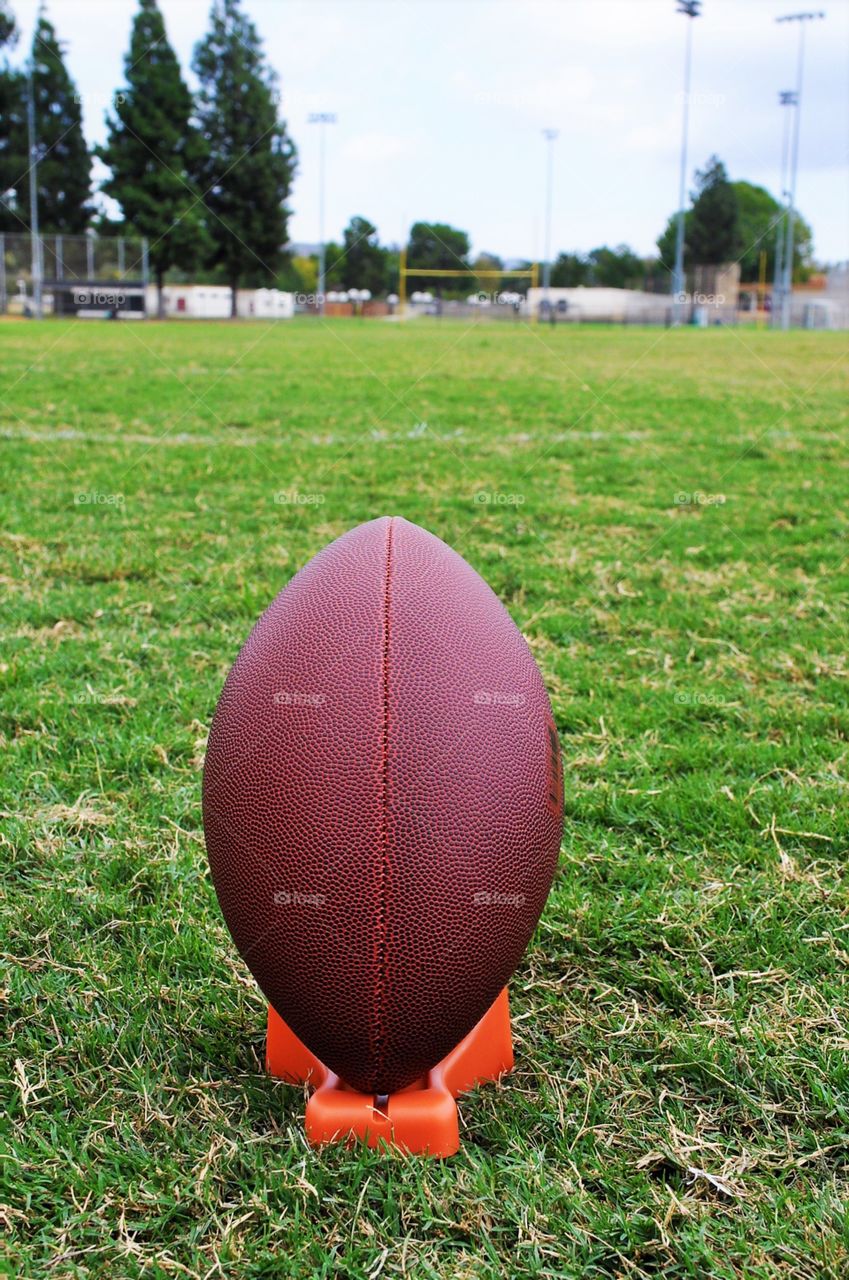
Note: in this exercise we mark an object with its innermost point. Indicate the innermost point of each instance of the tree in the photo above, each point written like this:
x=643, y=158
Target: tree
x=391, y=270
x=618, y=268
x=489, y=284
x=152, y=149
x=13, y=132
x=757, y=215
x=8, y=28
x=64, y=166
x=760, y=216
x=714, y=225
x=248, y=160
x=334, y=265
x=488, y=262
x=363, y=263
x=666, y=240
x=438, y=246
x=306, y=274
x=569, y=271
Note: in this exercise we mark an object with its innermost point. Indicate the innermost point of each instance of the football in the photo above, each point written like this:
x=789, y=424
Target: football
x=383, y=802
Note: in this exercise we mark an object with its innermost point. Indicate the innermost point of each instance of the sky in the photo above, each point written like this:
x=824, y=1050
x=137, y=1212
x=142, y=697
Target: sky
x=441, y=104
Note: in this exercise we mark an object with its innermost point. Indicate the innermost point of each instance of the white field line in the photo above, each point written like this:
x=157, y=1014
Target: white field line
x=326, y=441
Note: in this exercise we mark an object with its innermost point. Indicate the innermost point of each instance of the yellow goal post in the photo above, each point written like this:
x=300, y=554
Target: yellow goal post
x=405, y=273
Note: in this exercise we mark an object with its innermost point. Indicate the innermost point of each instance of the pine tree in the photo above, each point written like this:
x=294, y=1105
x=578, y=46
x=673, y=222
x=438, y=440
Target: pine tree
x=8, y=29
x=64, y=165
x=249, y=159
x=153, y=150
x=713, y=234
x=13, y=135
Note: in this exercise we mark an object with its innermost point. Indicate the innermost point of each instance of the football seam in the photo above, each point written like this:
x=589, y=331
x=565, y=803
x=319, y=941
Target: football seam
x=382, y=976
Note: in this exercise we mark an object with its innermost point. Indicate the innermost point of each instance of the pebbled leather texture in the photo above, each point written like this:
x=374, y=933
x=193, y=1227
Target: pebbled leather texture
x=382, y=802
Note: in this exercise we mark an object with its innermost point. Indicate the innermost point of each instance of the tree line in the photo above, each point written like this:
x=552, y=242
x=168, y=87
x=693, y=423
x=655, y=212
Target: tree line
x=205, y=177
x=726, y=222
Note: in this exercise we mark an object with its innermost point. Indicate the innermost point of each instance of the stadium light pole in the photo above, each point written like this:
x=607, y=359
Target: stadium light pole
x=550, y=136
x=786, y=293
x=786, y=98
x=321, y=118
x=35, y=239
x=690, y=9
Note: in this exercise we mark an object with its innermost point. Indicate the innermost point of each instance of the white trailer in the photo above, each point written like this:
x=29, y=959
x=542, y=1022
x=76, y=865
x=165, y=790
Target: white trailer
x=213, y=302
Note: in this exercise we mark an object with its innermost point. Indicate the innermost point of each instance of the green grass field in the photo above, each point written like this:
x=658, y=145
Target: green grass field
x=665, y=515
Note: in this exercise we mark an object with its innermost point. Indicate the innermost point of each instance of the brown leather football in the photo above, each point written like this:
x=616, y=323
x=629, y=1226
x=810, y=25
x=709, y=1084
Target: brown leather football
x=383, y=802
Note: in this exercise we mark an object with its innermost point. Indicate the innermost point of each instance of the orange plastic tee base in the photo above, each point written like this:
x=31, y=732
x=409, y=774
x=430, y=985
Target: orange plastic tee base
x=421, y=1119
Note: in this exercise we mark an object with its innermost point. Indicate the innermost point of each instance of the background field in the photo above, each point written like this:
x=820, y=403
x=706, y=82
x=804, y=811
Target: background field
x=664, y=514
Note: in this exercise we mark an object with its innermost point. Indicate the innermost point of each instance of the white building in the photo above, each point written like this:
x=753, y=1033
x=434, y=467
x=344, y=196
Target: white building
x=265, y=304
x=212, y=302
x=614, y=306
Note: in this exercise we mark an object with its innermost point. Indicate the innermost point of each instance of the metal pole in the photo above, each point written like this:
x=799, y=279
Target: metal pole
x=402, y=282
x=145, y=248
x=761, y=286
x=787, y=99
x=35, y=240
x=321, y=118
x=786, y=297
x=690, y=8
x=321, y=249
x=787, y=292
x=550, y=136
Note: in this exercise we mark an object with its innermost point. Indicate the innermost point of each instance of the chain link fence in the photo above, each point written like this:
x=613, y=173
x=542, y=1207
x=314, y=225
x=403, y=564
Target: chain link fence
x=72, y=275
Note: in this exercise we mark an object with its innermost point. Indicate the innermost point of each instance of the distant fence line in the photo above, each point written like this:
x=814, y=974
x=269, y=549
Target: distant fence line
x=69, y=266
x=92, y=275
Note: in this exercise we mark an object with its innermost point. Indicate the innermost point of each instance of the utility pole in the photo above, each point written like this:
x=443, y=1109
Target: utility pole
x=321, y=118
x=550, y=136
x=786, y=293
x=690, y=9
x=35, y=239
